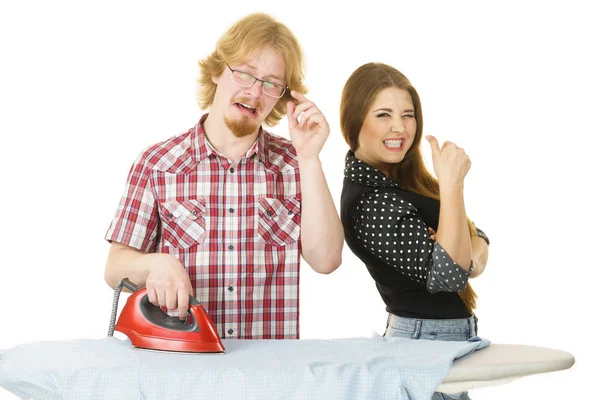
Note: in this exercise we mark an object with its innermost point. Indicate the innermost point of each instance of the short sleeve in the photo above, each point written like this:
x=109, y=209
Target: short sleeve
x=445, y=275
x=391, y=229
x=482, y=235
x=136, y=220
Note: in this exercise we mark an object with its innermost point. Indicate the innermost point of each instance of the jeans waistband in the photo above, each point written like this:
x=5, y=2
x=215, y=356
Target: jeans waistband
x=418, y=325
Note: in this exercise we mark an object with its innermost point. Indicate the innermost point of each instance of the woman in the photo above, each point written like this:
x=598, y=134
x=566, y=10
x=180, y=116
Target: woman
x=409, y=229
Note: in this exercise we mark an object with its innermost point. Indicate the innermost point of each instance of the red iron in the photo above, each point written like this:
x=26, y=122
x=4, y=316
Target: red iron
x=148, y=327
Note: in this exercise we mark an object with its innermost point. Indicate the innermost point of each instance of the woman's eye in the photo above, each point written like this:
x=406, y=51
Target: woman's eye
x=408, y=116
x=383, y=115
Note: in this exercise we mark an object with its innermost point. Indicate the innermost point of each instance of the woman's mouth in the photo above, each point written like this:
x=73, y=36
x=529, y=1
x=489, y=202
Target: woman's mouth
x=394, y=144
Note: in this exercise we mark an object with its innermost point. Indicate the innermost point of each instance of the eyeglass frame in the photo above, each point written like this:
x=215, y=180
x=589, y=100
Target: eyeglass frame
x=262, y=87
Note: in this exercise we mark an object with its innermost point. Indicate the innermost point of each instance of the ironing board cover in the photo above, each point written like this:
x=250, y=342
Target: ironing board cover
x=356, y=368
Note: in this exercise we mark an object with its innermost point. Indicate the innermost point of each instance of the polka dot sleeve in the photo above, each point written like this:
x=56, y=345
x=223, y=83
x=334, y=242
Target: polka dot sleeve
x=445, y=275
x=391, y=229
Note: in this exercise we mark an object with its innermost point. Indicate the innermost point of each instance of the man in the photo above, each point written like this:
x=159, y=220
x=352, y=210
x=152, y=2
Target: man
x=224, y=211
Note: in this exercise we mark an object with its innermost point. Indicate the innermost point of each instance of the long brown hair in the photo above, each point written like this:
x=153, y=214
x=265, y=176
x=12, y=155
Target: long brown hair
x=358, y=96
x=251, y=33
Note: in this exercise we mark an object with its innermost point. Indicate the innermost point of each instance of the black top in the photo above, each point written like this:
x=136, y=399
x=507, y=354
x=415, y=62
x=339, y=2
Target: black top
x=386, y=227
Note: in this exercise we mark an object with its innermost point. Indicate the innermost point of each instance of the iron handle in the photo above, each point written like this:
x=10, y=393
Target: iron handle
x=134, y=288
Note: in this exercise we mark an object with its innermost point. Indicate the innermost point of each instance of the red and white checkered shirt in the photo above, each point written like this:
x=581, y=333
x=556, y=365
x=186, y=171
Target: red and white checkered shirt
x=235, y=226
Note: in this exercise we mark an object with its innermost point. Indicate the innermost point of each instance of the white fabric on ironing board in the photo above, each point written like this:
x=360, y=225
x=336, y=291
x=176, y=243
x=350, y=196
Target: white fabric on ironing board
x=356, y=368
x=494, y=365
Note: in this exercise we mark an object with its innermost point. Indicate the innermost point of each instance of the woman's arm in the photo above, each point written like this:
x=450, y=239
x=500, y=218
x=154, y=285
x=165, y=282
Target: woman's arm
x=451, y=165
x=390, y=229
x=479, y=252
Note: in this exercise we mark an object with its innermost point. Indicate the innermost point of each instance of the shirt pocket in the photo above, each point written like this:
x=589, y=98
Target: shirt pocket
x=183, y=222
x=278, y=220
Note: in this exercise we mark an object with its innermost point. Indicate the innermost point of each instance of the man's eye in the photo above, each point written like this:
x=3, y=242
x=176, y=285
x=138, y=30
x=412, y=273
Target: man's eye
x=245, y=76
x=268, y=85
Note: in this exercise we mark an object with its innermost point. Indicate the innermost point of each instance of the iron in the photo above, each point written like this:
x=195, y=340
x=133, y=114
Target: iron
x=147, y=326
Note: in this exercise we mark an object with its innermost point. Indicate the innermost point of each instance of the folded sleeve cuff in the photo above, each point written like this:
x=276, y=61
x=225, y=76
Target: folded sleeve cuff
x=445, y=275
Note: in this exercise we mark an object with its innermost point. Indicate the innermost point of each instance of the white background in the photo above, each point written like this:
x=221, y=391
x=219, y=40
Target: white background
x=85, y=86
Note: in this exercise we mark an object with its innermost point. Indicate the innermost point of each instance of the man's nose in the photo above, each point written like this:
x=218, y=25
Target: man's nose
x=255, y=90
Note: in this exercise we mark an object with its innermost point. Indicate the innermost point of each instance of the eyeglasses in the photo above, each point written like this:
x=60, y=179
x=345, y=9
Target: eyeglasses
x=246, y=80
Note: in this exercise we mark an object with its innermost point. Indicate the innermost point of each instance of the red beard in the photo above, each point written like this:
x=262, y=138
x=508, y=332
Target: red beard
x=241, y=127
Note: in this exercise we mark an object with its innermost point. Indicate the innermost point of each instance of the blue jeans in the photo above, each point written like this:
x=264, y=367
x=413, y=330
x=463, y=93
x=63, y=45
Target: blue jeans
x=433, y=329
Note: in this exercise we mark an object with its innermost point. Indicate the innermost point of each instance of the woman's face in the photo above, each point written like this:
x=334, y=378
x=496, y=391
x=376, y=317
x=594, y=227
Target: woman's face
x=388, y=130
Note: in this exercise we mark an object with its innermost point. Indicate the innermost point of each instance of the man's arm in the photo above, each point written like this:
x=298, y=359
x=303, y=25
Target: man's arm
x=126, y=262
x=166, y=280
x=322, y=235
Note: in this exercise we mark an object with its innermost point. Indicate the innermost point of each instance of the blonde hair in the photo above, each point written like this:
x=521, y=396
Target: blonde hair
x=252, y=33
x=358, y=96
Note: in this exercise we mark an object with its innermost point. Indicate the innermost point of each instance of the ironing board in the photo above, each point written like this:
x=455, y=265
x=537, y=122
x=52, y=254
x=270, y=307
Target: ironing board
x=494, y=365
x=498, y=364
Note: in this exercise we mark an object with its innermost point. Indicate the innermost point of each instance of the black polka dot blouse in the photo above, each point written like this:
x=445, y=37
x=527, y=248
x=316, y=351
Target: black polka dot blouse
x=387, y=228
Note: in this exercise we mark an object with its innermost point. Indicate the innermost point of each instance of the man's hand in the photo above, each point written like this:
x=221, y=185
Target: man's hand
x=308, y=127
x=168, y=284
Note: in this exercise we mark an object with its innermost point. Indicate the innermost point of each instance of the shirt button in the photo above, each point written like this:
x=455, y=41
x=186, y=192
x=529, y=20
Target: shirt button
x=230, y=331
x=194, y=213
x=170, y=215
x=230, y=288
x=230, y=247
x=231, y=170
x=231, y=210
x=270, y=213
x=290, y=213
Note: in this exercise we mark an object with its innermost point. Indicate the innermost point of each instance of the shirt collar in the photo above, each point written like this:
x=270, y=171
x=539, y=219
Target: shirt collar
x=201, y=147
x=360, y=172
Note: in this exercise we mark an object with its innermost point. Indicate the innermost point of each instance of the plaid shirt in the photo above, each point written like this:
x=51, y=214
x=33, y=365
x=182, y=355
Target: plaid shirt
x=235, y=226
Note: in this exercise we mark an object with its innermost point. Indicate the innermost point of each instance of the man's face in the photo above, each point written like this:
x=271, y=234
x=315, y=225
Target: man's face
x=245, y=109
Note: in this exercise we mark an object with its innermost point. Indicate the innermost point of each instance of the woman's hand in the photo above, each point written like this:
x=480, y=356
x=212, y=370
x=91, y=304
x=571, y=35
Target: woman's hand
x=432, y=234
x=450, y=163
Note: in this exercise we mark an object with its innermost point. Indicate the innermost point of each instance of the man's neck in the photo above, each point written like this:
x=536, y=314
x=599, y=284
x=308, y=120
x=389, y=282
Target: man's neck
x=224, y=141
